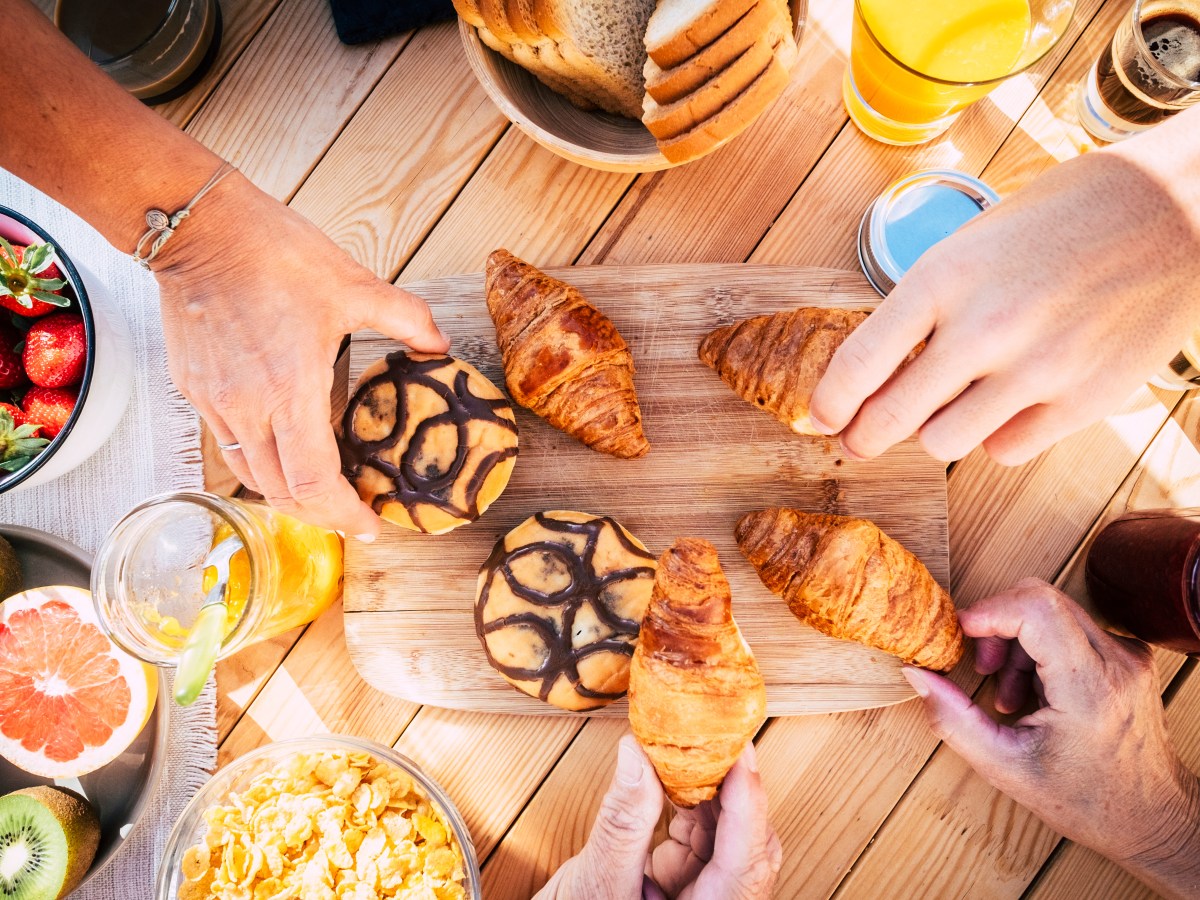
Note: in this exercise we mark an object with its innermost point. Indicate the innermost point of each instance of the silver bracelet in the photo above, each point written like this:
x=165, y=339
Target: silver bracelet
x=164, y=226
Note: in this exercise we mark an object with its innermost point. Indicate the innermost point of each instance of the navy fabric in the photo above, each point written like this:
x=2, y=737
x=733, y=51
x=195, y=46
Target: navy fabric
x=359, y=21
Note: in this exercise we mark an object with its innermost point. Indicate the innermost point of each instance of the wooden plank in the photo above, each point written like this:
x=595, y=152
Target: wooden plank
x=402, y=160
x=490, y=765
x=310, y=693
x=726, y=201
x=506, y=204
x=1077, y=873
x=857, y=169
x=263, y=117
x=555, y=824
x=949, y=812
x=709, y=446
x=241, y=20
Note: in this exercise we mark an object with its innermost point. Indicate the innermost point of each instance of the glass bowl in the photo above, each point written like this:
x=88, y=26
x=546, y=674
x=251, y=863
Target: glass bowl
x=236, y=776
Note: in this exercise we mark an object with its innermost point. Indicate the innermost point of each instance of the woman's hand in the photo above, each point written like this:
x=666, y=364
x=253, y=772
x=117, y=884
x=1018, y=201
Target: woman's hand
x=1094, y=761
x=255, y=302
x=721, y=850
x=1041, y=316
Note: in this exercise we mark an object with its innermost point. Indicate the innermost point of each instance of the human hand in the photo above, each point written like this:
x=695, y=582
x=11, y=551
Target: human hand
x=253, y=318
x=721, y=850
x=1041, y=315
x=1094, y=761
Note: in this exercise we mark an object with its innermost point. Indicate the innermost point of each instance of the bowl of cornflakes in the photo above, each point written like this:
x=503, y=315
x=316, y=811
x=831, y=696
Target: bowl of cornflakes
x=331, y=817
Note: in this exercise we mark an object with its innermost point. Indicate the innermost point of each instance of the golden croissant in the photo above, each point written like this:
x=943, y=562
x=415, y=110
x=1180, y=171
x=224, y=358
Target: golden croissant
x=775, y=361
x=847, y=579
x=695, y=693
x=564, y=359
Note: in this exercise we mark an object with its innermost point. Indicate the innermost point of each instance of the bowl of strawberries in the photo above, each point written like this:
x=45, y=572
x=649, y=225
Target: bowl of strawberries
x=66, y=366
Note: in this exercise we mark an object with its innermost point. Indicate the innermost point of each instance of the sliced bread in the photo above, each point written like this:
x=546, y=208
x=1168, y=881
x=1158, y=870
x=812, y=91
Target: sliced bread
x=767, y=17
x=601, y=40
x=681, y=28
x=674, y=119
x=469, y=10
x=523, y=23
x=734, y=118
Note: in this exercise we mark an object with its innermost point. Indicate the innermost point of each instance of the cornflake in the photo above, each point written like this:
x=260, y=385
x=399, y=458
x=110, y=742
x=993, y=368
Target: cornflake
x=333, y=825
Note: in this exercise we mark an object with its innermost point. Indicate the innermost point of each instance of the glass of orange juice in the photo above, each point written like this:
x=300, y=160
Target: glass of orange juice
x=915, y=66
x=150, y=578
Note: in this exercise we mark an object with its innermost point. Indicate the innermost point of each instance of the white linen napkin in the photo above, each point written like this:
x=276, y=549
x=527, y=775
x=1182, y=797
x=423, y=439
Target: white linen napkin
x=155, y=448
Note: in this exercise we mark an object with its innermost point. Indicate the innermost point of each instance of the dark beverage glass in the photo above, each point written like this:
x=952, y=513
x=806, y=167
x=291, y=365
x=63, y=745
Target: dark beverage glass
x=1149, y=72
x=1142, y=576
x=155, y=49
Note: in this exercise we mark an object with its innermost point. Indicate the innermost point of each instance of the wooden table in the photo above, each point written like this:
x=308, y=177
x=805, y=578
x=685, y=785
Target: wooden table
x=397, y=153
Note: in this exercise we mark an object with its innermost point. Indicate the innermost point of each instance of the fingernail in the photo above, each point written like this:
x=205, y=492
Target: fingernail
x=775, y=854
x=917, y=679
x=629, y=765
x=365, y=538
x=820, y=426
x=751, y=757
x=850, y=454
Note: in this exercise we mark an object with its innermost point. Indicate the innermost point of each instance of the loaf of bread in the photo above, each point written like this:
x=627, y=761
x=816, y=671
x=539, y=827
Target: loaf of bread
x=682, y=28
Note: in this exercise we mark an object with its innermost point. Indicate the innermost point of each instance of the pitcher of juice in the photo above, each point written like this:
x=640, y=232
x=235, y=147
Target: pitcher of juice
x=915, y=66
x=151, y=577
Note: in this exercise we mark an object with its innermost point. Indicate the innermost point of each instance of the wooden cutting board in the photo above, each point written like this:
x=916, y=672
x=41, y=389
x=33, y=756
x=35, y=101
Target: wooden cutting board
x=409, y=597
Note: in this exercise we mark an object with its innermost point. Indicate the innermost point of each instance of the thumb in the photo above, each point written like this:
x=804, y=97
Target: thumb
x=991, y=749
x=406, y=317
x=611, y=863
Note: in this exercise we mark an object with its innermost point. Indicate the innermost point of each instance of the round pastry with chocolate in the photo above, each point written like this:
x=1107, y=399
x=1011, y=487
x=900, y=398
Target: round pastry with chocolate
x=559, y=605
x=428, y=441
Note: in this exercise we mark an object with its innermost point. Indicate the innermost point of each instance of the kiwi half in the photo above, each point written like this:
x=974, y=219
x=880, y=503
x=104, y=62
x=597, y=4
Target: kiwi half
x=48, y=838
x=11, y=577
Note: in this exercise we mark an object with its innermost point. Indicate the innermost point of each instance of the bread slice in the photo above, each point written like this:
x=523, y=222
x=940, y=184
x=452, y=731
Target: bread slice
x=523, y=25
x=602, y=41
x=767, y=17
x=738, y=115
x=711, y=97
x=681, y=28
x=469, y=10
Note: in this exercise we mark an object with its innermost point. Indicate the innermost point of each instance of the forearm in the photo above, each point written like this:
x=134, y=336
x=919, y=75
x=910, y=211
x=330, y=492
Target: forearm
x=73, y=133
x=1170, y=156
x=1172, y=866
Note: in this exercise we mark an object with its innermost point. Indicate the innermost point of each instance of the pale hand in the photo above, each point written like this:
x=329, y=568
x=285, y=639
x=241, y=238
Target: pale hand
x=721, y=850
x=253, y=319
x=1041, y=316
x=1094, y=761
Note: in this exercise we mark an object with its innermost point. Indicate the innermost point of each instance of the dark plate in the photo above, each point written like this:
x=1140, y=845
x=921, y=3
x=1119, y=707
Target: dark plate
x=121, y=789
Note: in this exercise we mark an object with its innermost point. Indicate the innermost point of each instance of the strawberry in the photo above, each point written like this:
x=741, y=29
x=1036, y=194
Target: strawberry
x=30, y=283
x=50, y=407
x=18, y=414
x=56, y=350
x=17, y=442
x=12, y=372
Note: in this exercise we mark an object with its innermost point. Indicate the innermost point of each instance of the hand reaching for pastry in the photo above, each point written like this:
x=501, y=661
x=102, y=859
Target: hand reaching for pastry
x=1041, y=316
x=1094, y=761
x=721, y=850
x=253, y=329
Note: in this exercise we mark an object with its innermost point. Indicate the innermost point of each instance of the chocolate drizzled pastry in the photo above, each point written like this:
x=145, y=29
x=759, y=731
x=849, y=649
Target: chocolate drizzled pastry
x=428, y=441
x=559, y=604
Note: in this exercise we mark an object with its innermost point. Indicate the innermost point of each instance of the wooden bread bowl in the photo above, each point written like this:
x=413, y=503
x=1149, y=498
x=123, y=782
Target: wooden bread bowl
x=595, y=139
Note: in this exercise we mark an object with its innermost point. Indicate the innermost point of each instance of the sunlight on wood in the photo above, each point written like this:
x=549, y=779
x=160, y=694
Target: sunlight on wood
x=829, y=23
x=302, y=717
x=1130, y=427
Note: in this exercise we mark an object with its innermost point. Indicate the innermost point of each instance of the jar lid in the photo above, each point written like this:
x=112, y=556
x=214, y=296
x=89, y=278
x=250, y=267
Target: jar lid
x=911, y=216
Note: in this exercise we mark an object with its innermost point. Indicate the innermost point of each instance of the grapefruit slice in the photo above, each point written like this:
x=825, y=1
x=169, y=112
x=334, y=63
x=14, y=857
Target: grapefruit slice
x=70, y=700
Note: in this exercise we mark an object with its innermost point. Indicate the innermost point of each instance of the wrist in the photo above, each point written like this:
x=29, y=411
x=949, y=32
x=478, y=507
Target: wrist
x=1170, y=863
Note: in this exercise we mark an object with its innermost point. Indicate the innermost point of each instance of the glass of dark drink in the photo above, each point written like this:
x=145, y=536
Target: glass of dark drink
x=1142, y=576
x=1150, y=71
x=155, y=49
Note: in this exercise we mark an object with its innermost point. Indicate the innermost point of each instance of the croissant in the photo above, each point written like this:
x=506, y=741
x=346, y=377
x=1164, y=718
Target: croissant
x=847, y=579
x=564, y=359
x=695, y=693
x=775, y=361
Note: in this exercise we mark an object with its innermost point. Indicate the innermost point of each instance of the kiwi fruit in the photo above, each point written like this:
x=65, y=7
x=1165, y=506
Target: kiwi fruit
x=48, y=838
x=11, y=576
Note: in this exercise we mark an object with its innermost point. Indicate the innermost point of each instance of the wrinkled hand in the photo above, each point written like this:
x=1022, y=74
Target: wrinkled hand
x=1041, y=316
x=1094, y=760
x=255, y=303
x=721, y=850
